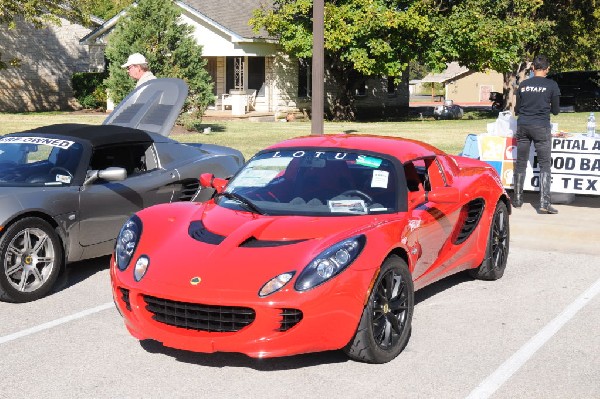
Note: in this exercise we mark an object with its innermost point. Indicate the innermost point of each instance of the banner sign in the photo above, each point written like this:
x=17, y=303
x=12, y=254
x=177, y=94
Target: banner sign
x=575, y=162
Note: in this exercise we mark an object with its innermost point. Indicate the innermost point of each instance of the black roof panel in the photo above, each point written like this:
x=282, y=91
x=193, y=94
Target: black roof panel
x=96, y=135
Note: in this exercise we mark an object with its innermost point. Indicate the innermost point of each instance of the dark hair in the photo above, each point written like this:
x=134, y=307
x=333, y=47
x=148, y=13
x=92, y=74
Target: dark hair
x=540, y=62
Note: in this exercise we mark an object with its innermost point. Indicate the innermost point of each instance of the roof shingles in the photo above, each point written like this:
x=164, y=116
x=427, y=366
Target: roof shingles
x=230, y=14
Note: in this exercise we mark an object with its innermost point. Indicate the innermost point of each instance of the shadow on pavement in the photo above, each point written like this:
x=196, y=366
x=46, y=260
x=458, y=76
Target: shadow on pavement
x=224, y=359
x=77, y=272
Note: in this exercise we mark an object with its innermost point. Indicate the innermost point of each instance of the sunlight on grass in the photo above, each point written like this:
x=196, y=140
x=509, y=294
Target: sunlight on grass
x=250, y=137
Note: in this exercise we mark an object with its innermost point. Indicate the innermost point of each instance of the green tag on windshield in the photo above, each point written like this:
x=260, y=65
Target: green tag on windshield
x=368, y=161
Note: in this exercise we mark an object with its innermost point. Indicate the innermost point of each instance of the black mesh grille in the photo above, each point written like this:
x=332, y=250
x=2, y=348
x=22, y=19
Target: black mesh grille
x=194, y=316
x=125, y=297
x=289, y=318
x=474, y=211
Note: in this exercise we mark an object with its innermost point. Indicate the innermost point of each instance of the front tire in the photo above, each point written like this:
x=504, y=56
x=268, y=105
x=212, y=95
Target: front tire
x=30, y=259
x=385, y=325
x=496, y=252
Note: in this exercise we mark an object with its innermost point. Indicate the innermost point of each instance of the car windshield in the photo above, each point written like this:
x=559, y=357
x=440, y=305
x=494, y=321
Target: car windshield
x=314, y=182
x=36, y=161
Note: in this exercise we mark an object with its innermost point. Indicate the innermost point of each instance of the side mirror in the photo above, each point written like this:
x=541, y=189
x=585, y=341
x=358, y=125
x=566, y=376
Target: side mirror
x=208, y=180
x=108, y=174
x=444, y=195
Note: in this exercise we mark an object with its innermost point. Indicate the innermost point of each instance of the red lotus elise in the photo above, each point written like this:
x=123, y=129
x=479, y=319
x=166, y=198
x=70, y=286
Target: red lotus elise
x=317, y=243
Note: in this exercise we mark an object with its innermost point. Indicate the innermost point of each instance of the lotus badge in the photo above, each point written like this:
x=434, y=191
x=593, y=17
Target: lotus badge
x=195, y=280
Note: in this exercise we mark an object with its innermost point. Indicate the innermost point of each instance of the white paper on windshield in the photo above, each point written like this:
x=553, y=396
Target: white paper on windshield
x=38, y=140
x=347, y=206
x=380, y=178
x=255, y=177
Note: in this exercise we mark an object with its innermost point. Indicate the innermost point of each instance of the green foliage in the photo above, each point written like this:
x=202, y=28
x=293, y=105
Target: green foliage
x=505, y=35
x=573, y=43
x=153, y=28
x=106, y=9
x=39, y=13
x=417, y=70
x=487, y=34
x=89, y=89
x=362, y=38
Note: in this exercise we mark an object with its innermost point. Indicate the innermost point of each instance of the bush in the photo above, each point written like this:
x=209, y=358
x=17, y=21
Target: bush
x=89, y=89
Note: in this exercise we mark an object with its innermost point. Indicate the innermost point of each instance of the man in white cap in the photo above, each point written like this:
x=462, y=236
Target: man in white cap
x=137, y=68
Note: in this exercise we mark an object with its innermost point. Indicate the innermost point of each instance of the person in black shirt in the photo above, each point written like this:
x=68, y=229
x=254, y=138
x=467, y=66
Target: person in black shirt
x=537, y=97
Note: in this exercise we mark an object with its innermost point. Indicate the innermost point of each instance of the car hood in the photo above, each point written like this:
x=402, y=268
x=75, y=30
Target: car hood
x=153, y=106
x=227, y=223
x=243, y=249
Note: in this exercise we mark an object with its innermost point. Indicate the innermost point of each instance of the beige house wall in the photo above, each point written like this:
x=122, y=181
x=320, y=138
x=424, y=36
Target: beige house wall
x=474, y=87
x=49, y=57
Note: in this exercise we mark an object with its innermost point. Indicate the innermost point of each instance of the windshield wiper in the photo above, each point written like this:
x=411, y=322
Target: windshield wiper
x=242, y=200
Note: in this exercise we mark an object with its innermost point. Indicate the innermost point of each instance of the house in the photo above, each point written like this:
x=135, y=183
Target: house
x=242, y=61
x=49, y=56
x=464, y=86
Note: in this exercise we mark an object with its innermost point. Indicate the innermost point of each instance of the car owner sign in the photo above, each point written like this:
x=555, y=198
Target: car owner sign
x=37, y=140
x=575, y=162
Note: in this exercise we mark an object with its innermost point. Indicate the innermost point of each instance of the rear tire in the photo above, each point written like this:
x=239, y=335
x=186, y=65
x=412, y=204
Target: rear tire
x=31, y=257
x=385, y=325
x=496, y=253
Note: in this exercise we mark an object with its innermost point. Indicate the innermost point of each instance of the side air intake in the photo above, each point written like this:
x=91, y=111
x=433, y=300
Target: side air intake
x=471, y=214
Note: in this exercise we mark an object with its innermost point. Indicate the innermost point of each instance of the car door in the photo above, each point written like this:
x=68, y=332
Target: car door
x=105, y=206
x=432, y=223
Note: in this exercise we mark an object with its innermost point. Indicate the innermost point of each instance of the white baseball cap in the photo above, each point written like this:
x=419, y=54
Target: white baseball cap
x=135, y=59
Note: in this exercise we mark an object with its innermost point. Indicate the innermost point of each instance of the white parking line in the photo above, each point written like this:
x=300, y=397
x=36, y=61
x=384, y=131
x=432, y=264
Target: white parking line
x=54, y=323
x=514, y=363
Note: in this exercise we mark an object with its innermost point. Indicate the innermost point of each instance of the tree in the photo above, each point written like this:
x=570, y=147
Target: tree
x=362, y=38
x=106, y=9
x=39, y=13
x=153, y=28
x=505, y=35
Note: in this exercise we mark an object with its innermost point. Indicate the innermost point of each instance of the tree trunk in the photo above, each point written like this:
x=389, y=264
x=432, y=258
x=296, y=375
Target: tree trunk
x=341, y=107
x=511, y=84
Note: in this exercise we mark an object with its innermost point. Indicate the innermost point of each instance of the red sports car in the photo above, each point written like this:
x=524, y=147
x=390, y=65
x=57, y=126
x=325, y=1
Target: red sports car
x=317, y=243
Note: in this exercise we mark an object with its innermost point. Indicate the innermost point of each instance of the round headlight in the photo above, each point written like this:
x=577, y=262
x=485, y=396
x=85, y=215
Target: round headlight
x=141, y=266
x=330, y=263
x=325, y=268
x=127, y=241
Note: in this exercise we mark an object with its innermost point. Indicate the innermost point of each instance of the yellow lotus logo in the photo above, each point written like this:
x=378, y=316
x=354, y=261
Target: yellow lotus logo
x=195, y=280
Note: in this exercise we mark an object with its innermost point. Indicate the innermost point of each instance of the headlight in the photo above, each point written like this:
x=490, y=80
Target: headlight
x=330, y=263
x=141, y=266
x=127, y=241
x=275, y=284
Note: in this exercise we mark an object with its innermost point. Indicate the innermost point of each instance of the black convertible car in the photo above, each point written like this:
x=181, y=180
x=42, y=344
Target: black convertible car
x=66, y=190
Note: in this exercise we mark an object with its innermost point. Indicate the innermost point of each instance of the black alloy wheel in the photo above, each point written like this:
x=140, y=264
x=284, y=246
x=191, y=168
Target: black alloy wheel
x=496, y=253
x=385, y=325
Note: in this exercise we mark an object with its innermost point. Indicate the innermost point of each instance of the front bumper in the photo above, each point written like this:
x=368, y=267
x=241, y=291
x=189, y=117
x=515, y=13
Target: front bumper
x=285, y=323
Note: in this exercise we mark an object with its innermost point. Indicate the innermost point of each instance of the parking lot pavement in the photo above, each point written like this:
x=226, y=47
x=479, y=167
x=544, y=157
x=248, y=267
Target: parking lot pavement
x=576, y=227
x=464, y=333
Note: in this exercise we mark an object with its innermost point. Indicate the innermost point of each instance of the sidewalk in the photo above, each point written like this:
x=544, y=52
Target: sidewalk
x=254, y=116
x=576, y=227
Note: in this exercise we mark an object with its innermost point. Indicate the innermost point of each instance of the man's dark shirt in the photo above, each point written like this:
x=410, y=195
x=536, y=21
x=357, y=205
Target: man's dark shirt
x=536, y=98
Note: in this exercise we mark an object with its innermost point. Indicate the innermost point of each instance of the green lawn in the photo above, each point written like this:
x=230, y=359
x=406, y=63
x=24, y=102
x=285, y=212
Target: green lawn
x=249, y=137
